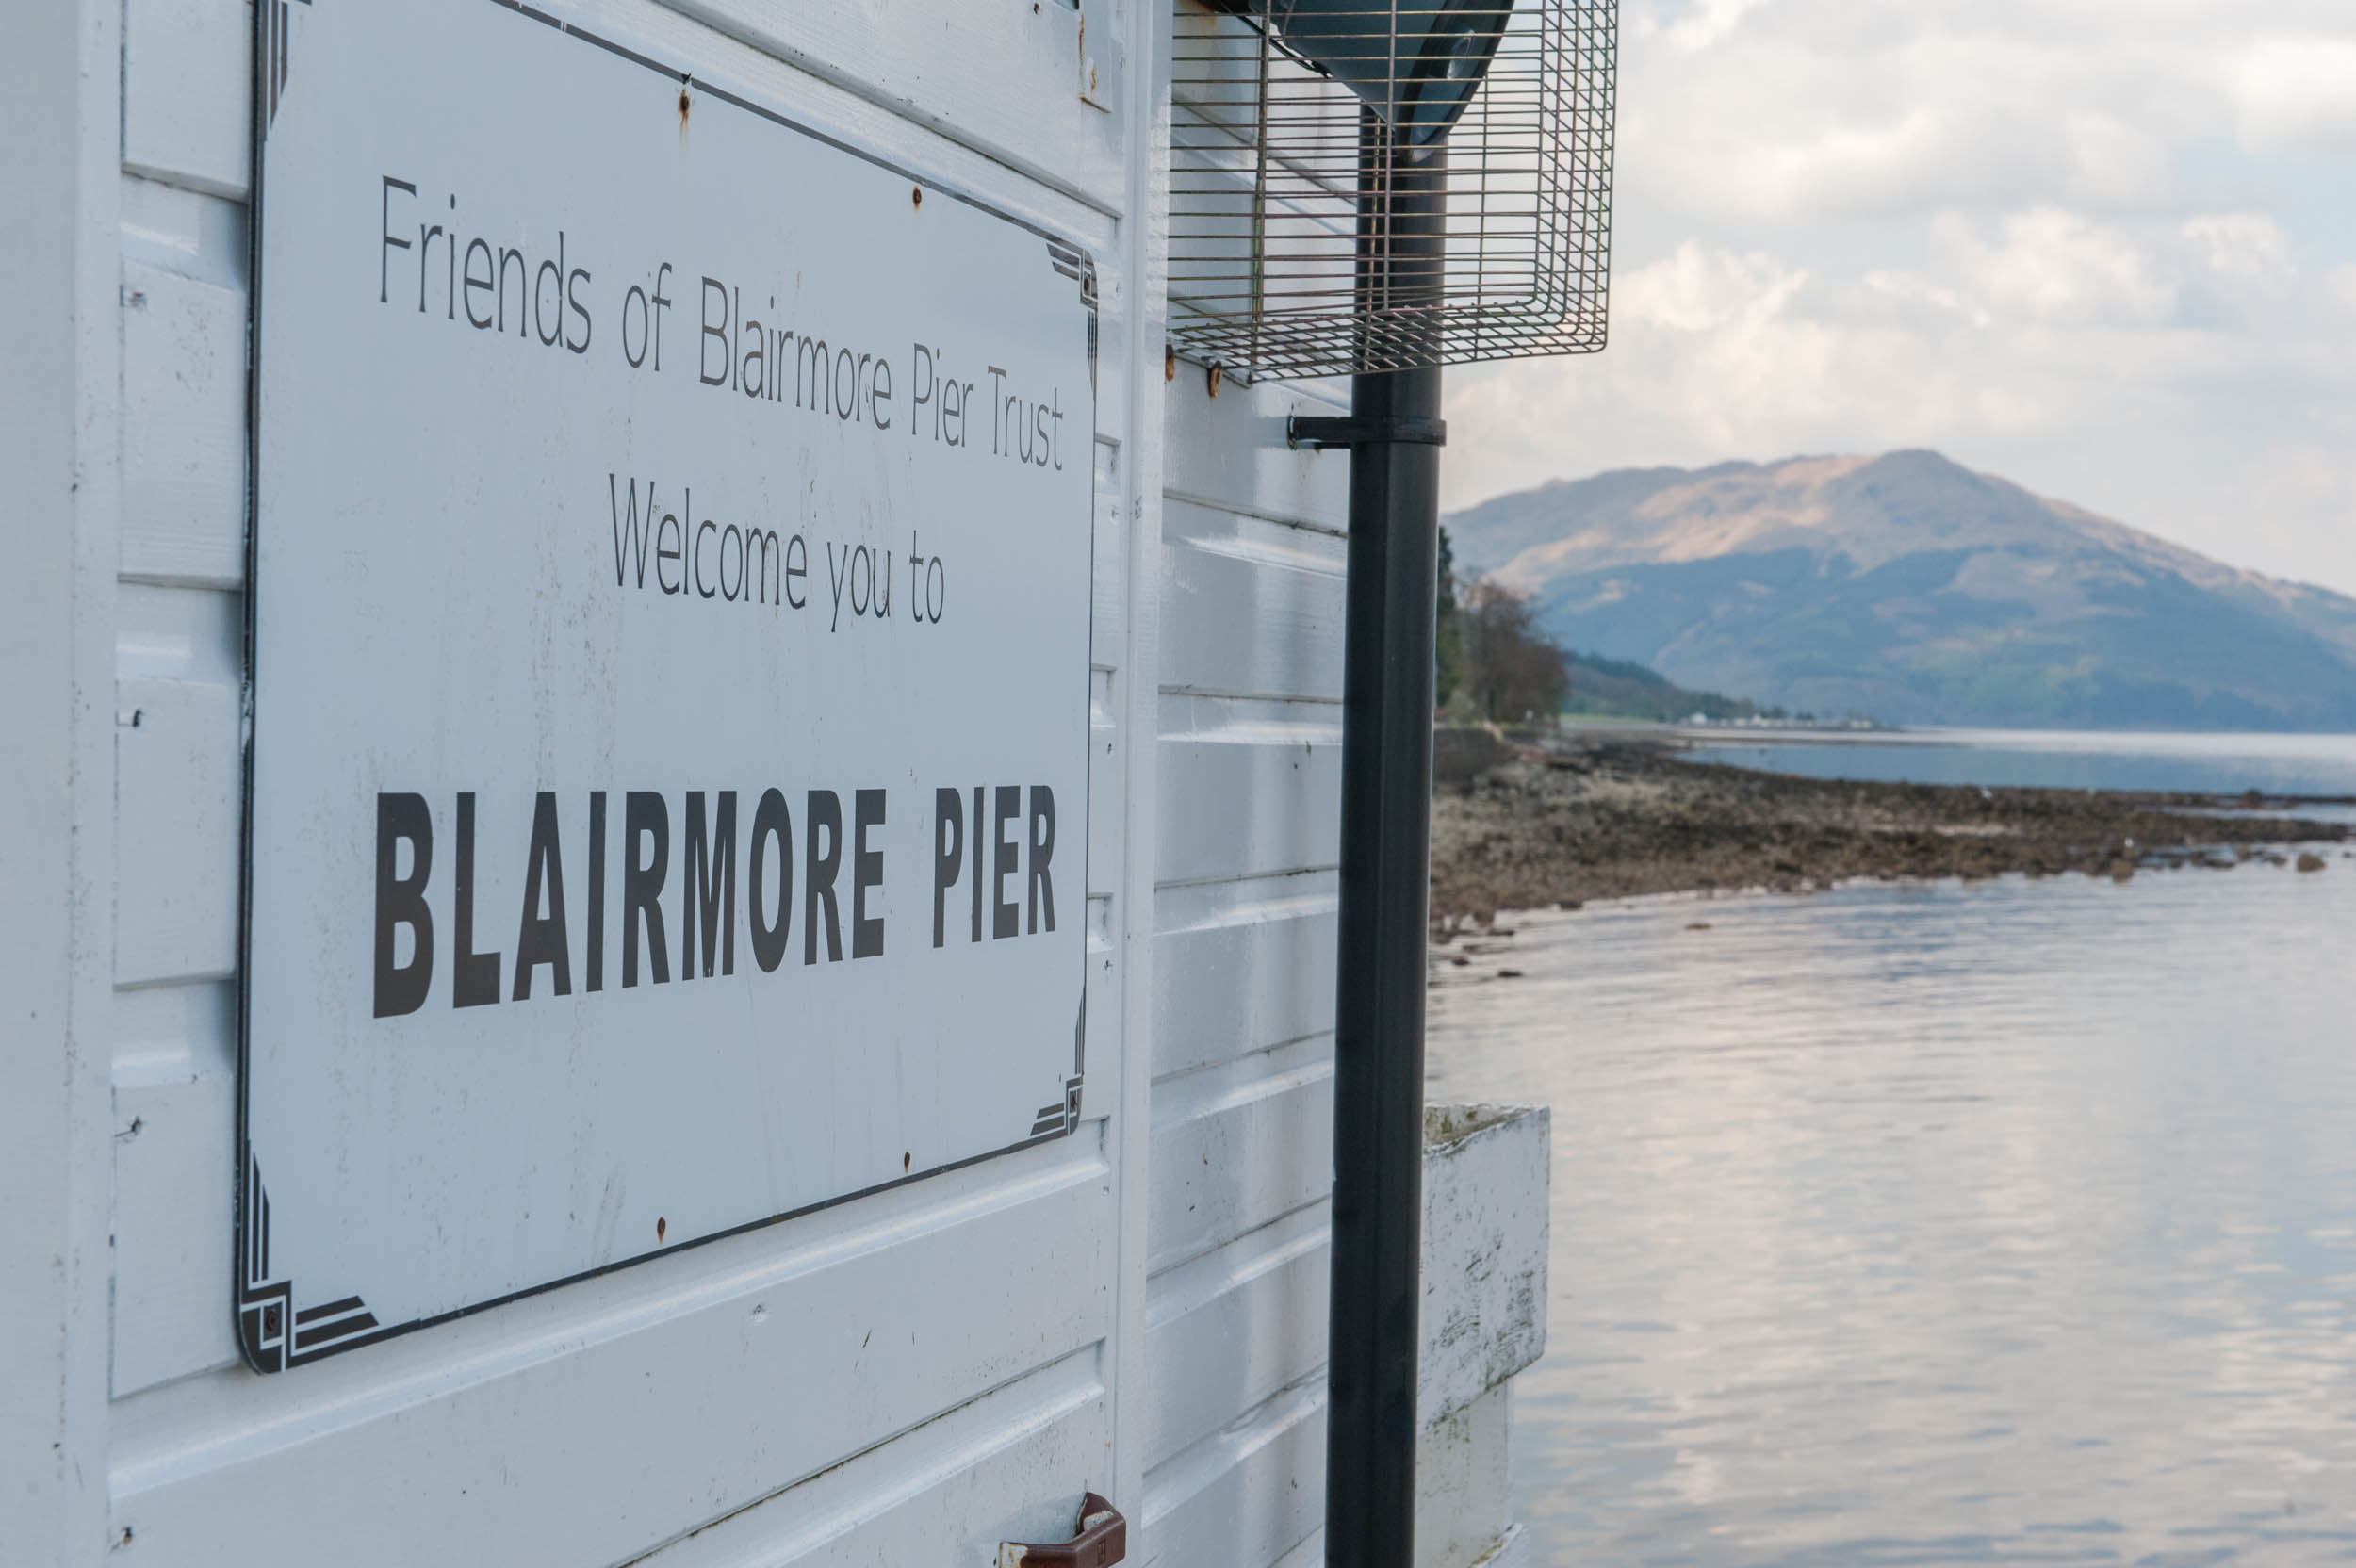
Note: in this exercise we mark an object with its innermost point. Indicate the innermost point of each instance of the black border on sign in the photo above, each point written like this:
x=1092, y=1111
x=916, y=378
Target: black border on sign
x=264, y=1319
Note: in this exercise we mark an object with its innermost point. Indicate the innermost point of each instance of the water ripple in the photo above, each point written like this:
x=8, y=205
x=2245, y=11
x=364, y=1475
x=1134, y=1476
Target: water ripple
x=2014, y=1223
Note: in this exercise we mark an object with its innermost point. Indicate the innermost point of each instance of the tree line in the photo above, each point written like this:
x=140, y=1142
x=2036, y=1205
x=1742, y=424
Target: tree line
x=1490, y=659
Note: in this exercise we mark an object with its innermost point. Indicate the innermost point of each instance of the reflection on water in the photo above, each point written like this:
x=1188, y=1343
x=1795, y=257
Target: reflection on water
x=2014, y=1223
x=2067, y=760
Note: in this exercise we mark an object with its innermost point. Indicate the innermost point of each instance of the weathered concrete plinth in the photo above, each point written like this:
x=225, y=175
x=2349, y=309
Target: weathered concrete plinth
x=1485, y=1319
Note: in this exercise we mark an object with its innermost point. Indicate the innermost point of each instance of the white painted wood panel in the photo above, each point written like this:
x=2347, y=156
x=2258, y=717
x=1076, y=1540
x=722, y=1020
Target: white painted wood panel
x=1106, y=1064
x=1110, y=543
x=1237, y=1326
x=747, y=48
x=183, y=460
x=179, y=634
x=1246, y=1494
x=185, y=233
x=619, y=1414
x=1229, y=450
x=175, y=1160
x=1247, y=832
x=1238, y=1146
x=174, y=1148
x=1242, y=965
x=1109, y=782
x=937, y=1493
x=186, y=93
x=178, y=782
x=1248, y=788
x=1003, y=76
x=60, y=372
x=1251, y=607
x=179, y=665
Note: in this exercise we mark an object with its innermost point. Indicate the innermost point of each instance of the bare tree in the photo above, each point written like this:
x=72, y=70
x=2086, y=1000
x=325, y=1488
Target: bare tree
x=1513, y=671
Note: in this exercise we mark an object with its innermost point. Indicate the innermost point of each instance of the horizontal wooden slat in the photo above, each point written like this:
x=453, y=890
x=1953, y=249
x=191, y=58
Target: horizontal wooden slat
x=1241, y=966
x=176, y=1200
x=1246, y=1494
x=184, y=362
x=1010, y=1465
x=1229, y=450
x=572, y=1426
x=179, y=781
x=175, y=1059
x=1001, y=76
x=1236, y=1147
x=1250, y=608
x=1310, y=1554
x=1231, y=1328
x=1247, y=788
x=186, y=102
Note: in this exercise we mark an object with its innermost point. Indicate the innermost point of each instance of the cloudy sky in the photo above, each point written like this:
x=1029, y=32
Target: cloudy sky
x=2103, y=247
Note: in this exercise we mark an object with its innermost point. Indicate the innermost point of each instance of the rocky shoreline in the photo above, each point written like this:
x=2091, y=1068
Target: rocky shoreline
x=1521, y=828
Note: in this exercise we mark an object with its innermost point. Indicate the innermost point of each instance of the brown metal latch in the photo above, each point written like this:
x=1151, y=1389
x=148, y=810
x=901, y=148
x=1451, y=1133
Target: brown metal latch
x=1102, y=1539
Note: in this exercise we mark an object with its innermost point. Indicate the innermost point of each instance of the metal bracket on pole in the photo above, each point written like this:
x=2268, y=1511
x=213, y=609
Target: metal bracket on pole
x=1317, y=434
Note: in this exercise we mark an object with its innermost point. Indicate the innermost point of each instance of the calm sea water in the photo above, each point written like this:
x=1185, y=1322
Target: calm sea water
x=2276, y=764
x=2012, y=1223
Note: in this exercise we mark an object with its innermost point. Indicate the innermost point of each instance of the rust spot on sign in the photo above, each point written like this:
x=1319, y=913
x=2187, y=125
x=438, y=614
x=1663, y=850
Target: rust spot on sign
x=660, y=1225
x=683, y=108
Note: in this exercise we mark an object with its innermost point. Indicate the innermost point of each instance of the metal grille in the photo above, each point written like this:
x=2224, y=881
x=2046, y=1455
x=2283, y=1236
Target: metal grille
x=1273, y=161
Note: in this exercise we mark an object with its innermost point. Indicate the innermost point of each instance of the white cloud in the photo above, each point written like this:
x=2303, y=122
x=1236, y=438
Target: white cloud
x=2057, y=238
x=2340, y=286
x=1699, y=289
x=2059, y=268
x=2248, y=247
x=1703, y=23
x=2299, y=94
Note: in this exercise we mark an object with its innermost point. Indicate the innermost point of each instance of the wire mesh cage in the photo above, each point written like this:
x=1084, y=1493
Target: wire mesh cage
x=1382, y=185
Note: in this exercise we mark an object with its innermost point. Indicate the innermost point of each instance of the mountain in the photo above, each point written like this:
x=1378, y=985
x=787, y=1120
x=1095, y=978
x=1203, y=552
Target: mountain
x=1623, y=688
x=1910, y=588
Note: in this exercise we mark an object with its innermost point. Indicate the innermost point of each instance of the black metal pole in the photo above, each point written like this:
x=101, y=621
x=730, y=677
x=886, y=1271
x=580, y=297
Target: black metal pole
x=1385, y=871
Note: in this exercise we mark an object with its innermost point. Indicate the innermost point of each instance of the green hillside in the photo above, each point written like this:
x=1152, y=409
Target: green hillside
x=1603, y=687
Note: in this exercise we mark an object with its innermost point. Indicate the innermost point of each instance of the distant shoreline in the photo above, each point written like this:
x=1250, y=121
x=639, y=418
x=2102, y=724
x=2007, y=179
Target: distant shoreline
x=1590, y=727
x=1600, y=815
x=1686, y=736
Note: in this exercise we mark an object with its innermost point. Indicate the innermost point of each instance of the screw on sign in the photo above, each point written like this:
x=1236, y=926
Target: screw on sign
x=1102, y=1539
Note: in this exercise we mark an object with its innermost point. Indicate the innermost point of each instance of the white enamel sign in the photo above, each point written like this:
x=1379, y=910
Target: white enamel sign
x=670, y=608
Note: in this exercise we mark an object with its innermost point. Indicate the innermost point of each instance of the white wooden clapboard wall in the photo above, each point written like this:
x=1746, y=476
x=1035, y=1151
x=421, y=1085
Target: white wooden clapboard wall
x=1138, y=1309
x=1242, y=1056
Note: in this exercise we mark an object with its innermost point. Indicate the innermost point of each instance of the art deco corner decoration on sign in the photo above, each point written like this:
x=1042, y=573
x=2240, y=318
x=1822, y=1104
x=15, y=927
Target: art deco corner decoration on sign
x=276, y=1330
x=670, y=614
